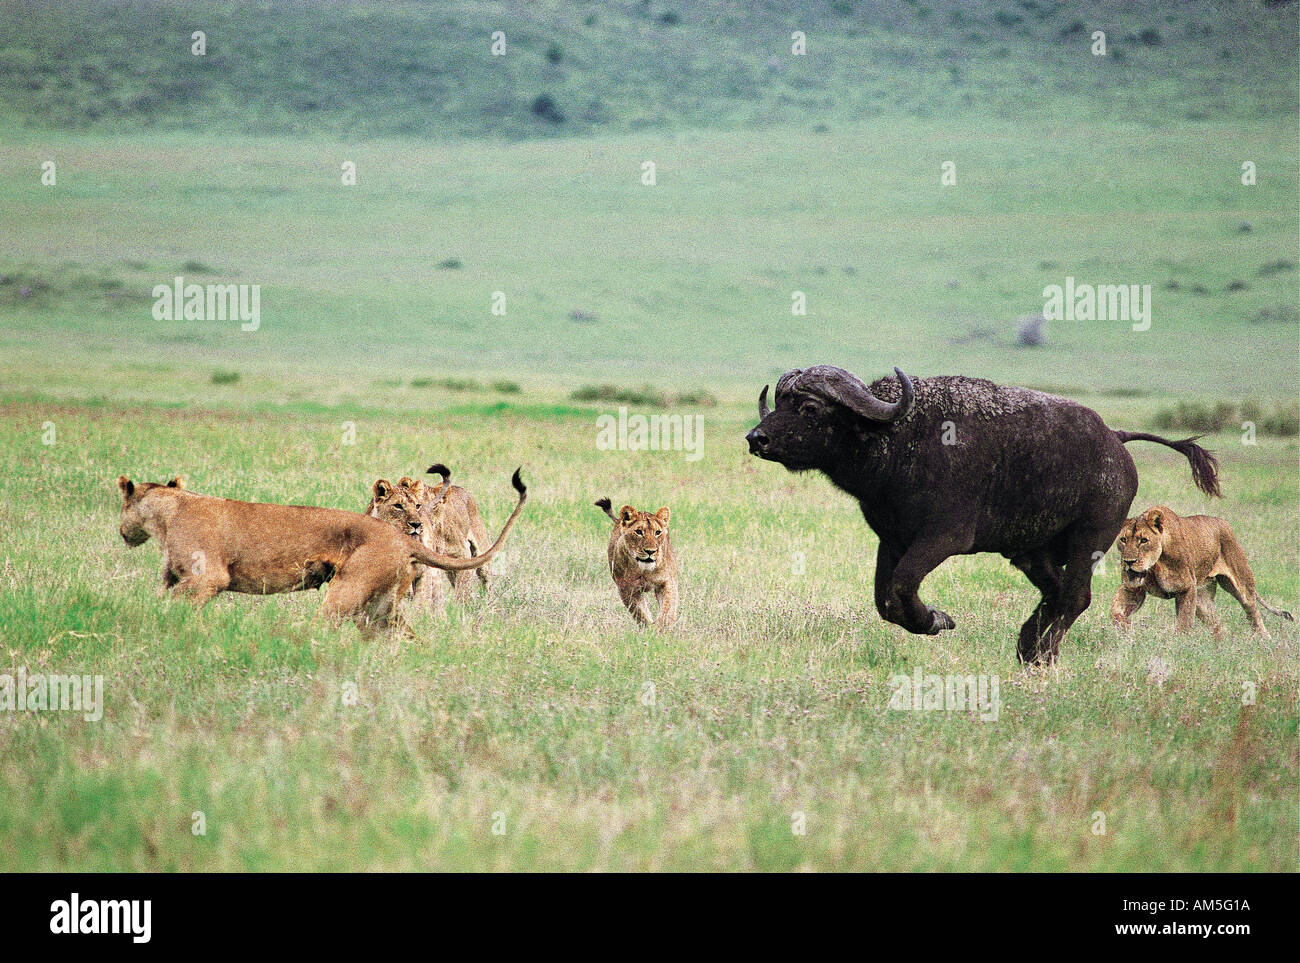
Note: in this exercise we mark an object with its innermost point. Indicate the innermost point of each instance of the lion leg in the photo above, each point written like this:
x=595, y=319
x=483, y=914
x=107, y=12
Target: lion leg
x=1185, y=609
x=635, y=601
x=1206, y=612
x=1127, y=601
x=666, y=595
x=1247, y=600
x=199, y=586
x=462, y=587
x=366, y=589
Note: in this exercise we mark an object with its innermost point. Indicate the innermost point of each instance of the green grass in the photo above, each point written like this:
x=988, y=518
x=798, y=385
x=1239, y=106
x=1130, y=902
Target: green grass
x=686, y=284
x=771, y=695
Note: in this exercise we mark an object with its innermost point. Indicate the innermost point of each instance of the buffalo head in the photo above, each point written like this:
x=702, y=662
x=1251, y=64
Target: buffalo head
x=816, y=409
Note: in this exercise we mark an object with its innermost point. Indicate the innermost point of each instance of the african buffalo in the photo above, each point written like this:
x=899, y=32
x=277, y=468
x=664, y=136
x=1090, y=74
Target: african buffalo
x=953, y=466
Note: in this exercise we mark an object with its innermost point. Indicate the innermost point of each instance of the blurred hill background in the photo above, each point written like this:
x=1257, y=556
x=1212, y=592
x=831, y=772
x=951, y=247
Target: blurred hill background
x=571, y=68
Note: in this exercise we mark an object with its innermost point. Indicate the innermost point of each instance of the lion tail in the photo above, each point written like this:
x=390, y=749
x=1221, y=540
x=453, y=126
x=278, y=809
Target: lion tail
x=605, y=505
x=1280, y=613
x=449, y=564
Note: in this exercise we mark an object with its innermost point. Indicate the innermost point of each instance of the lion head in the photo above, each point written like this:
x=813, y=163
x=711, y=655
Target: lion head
x=137, y=515
x=397, y=505
x=1141, y=541
x=643, y=536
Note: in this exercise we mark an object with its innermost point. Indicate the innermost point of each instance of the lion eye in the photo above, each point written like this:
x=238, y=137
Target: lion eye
x=1142, y=541
x=640, y=531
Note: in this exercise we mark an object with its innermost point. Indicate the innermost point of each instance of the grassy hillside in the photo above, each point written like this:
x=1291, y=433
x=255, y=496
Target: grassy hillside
x=685, y=284
x=366, y=69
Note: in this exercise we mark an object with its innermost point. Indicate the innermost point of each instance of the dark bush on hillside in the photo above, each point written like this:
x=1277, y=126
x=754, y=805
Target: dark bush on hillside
x=645, y=395
x=546, y=108
x=1284, y=421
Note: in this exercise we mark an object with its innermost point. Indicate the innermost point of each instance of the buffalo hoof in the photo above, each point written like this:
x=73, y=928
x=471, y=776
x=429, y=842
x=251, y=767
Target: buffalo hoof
x=939, y=621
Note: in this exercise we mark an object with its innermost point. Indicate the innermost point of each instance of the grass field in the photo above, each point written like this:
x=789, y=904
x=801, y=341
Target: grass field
x=536, y=729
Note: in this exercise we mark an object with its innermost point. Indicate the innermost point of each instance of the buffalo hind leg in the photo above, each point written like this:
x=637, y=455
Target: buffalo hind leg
x=1084, y=546
x=1044, y=573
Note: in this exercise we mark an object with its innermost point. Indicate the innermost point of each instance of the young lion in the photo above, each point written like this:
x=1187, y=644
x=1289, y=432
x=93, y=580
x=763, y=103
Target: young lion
x=213, y=545
x=641, y=561
x=444, y=518
x=1185, y=559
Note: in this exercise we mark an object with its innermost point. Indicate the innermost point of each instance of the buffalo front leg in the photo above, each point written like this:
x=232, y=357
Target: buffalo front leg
x=903, y=605
x=1044, y=573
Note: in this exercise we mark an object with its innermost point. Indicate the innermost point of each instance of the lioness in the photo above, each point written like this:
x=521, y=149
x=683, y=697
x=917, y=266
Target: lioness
x=1185, y=559
x=213, y=545
x=641, y=561
x=444, y=518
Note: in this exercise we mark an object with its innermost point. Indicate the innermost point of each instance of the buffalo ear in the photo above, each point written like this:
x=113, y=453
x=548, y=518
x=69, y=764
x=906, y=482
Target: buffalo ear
x=627, y=514
x=177, y=482
x=381, y=488
x=663, y=514
x=126, y=485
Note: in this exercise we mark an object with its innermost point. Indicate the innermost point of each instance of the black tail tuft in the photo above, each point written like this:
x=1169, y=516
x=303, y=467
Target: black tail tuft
x=605, y=504
x=1205, y=467
x=439, y=469
x=515, y=480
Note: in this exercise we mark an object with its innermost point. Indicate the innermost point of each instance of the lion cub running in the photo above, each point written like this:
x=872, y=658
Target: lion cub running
x=641, y=561
x=1185, y=559
x=444, y=518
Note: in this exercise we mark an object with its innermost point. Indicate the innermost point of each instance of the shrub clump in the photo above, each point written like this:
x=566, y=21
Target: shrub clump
x=645, y=395
x=1283, y=420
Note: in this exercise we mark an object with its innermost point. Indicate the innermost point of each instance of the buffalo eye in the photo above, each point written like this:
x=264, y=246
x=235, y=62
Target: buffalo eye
x=808, y=409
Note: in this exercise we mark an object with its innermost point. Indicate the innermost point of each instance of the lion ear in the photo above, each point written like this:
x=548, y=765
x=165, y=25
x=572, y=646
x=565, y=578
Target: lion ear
x=627, y=514
x=663, y=514
x=177, y=482
x=1156, y=521
x=381, y=487
x=126, y=486
x=405, y=482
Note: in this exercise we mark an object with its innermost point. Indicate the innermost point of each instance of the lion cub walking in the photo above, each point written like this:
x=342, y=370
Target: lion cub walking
x=641, y=561
x=1185, y=559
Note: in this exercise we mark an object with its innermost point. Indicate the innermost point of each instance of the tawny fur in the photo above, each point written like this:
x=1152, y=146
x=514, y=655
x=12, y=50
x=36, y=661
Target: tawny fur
x=641, y=561
x=213, y=545
x=445, y=519
x=1185, y=559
